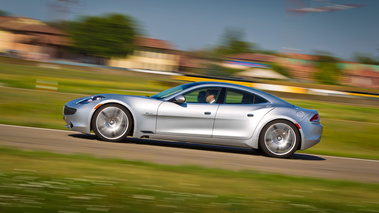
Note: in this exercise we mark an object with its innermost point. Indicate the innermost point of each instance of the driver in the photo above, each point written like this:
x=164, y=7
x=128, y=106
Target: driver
x=210, y=96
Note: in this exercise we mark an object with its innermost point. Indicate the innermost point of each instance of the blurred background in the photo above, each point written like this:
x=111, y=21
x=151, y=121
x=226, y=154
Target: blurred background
x=317, y=41
x=318, y=54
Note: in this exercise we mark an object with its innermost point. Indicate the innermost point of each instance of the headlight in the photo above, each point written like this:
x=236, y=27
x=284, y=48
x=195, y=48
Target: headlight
x=90, y=99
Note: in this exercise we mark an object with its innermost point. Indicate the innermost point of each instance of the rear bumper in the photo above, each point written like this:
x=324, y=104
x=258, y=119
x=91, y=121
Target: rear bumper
x=311, y=135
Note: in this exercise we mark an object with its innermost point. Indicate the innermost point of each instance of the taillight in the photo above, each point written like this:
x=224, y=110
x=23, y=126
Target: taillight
x=315, y=118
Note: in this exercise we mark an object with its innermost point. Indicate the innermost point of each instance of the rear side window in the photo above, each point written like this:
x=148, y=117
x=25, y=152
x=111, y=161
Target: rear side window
x=259, y=100
x=234, y=96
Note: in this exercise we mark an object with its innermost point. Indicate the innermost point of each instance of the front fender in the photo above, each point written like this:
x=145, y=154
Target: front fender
x=143, y=110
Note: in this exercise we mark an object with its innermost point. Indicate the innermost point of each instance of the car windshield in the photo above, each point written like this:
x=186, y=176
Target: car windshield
x=172, y=91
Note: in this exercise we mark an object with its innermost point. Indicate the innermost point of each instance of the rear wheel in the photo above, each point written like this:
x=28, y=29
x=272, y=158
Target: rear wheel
x=112, y=122
x=279, y=139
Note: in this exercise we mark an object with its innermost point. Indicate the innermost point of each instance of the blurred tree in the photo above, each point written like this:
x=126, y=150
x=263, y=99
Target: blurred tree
x=62, y=25
x=365, y=59
x=4, y=13
x=266, y=52
x=233, y=43
x=328, y=71
x=280, y=69
x=220, y=71
x=323, y=56
x=111, y=35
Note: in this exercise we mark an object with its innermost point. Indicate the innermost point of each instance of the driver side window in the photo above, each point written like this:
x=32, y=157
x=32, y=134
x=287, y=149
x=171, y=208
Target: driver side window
x=203, y=95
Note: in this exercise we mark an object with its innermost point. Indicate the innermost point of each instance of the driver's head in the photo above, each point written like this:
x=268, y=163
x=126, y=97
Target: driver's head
x=211, y=95
x=211, y=92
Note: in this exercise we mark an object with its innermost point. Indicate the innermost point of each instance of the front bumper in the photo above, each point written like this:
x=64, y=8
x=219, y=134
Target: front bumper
x=78, y=117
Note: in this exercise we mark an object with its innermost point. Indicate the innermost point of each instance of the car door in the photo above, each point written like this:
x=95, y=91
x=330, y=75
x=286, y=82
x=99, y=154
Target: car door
x=193, y=118
x=238, y=117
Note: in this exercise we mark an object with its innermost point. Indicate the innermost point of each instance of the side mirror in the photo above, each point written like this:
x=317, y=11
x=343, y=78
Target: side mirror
x=179, y=99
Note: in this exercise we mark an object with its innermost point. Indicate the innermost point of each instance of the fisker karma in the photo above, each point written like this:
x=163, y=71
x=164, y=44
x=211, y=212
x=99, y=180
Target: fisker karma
x=201, y=112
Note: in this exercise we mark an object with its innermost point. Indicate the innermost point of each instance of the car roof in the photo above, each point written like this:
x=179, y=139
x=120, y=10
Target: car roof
x=268, y=96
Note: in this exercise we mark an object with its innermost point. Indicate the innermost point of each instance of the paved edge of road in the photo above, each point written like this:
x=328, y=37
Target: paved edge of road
x=67, y=131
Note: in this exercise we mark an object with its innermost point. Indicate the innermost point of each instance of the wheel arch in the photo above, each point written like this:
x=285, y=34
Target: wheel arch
x=267, y=122
x=115, y=103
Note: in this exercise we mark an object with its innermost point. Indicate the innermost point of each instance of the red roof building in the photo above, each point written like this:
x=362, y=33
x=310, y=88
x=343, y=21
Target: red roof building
x=153, y=43
x=252, y=57
x=150, y=54
x=30, y=38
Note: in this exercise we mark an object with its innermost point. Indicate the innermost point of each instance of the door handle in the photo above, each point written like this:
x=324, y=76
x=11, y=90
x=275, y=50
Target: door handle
x=207, y=113
x=250, y=115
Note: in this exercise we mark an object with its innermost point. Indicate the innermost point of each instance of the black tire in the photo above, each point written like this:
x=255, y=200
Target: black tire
x=112, y=122
x=279, y=139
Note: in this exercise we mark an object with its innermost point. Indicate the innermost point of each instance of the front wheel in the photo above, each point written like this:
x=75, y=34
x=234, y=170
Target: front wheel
x=112, y=122
x=279, y=139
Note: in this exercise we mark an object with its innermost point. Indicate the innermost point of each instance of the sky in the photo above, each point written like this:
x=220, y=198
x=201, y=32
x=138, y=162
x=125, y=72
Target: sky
x=198, y=24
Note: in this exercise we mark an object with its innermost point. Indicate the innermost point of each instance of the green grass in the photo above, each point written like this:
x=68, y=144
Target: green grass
x=349, y=131
x=340, y=111
x=46, y=182
x=33, y=107
x=82, y=82
x=342, y=136
x=348, y=139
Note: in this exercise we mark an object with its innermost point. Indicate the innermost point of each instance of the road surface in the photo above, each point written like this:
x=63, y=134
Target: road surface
x=180, y=153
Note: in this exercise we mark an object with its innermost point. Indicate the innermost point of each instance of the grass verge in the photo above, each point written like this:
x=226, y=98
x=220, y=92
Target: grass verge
x=345, y=134
x=349, y=131
x=47, y=182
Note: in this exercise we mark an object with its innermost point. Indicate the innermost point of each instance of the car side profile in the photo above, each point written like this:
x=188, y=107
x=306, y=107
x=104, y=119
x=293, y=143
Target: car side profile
x=202, y=112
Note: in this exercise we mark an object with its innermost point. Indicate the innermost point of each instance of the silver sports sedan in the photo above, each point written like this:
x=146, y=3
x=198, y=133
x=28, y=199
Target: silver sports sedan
x=203, y=112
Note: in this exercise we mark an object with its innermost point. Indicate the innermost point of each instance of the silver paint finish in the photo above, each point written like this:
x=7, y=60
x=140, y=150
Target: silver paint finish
x=224, y=124
x=187, y=119
x=237, y=124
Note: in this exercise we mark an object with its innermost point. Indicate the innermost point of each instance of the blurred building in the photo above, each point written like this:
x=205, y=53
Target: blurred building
x=31, y=38
x=254, y=65
x=150, y=54
x=190, y=63
x=248, y=60
x=299, y=66
x=302, y=67
x=360, y=75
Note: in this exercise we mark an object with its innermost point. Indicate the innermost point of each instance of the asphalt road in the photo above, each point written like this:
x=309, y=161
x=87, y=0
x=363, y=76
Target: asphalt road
x=179, y=153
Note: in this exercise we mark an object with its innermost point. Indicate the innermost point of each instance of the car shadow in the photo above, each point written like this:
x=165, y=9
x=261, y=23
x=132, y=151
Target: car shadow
x=302, y=156
x=84, y=136
x=197, y=146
